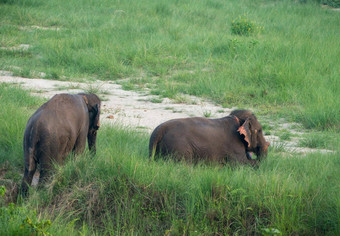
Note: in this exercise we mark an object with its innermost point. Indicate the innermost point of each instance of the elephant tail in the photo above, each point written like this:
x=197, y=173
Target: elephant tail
x=30, y=143
x=155, y=138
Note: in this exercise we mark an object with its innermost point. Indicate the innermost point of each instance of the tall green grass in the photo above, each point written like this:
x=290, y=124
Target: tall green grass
x=187, y=47
x=120, y=191
x=16, y=107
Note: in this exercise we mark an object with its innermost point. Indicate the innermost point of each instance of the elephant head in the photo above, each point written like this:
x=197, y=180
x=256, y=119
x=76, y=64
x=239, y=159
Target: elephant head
x=251, y=133
x=93, y=104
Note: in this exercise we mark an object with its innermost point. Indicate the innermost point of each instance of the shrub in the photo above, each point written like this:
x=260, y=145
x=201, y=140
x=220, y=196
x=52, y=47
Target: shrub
x=332, y=3
x=244, y=26
x=19, y=220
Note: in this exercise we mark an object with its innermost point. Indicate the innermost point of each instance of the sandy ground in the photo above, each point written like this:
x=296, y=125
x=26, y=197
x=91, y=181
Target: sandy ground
x=136, y=111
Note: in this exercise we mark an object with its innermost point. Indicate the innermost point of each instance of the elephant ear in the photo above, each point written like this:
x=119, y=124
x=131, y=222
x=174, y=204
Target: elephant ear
x=85, y=100
x=95, y=109
x=96, y=118
x=245, y=131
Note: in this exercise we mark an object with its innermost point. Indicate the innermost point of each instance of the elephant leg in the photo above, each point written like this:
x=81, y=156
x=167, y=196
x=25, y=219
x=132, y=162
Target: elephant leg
x=92, y=140
x=45, y=169
x=179, y=153
x=177, y=148
x=30, y=169
x=44, y=174
x=80, y=144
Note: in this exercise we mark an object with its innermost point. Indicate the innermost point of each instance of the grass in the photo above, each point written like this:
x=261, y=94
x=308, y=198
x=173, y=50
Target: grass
x=121, y=191
x=181, y=98
x=12, y=121
x=156, y=100
x=285, y=135
x=97, y=89
x=207, y=114
x=70, y=86
x=323, y=140
x=185, y=48
x=175, y=49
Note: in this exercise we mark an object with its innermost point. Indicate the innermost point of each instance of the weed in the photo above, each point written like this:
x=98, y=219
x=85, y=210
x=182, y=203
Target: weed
x=26, y=73
x=2, y=190
x=207, y=114
x=271, y=231
x=38, y=228
x=128, y=86
x=156, y=100
x=96, y=89
x=277, y=146
x=182, y=98
x=52, y=75
x=12, y=223
x=70, y=86
x=104, y=98
x=91, y=88
x=18, y=105
x=332, y=3
x=315, y=140
x=285, y=135
x=267, y=128
x=243, y=26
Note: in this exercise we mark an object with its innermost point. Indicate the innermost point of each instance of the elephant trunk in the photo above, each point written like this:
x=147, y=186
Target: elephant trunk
x=262, y=151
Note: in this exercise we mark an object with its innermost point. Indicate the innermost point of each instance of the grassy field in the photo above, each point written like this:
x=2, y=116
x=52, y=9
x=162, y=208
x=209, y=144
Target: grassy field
x=120, y=191
x=176, y=47
x=284, y=65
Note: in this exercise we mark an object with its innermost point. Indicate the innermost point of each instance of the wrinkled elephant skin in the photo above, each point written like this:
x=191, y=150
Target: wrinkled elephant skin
x=228, y=139
x=57, y=128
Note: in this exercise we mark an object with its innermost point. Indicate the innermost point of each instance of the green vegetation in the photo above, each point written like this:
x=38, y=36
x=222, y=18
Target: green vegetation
x=332, y=3
x=13, y=121
x=244, y=26
x=12, y=222
x=285, y=135
x=120, y=191
x=186, y=47
x=207, y=114
x=125, y=195
x=323, y=140
x=176, y=48
x=156, y=100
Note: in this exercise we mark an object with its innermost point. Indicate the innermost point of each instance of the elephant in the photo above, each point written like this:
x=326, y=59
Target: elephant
x=229, y=139
x=59, y=126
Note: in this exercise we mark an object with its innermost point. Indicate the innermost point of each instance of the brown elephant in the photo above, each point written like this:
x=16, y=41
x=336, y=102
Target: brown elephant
x=228, y=139
x=58, y=127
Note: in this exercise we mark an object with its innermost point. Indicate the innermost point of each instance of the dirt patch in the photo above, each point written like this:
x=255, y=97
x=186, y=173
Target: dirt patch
x=331, y=8
x=139, y=110
x=21, y=47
